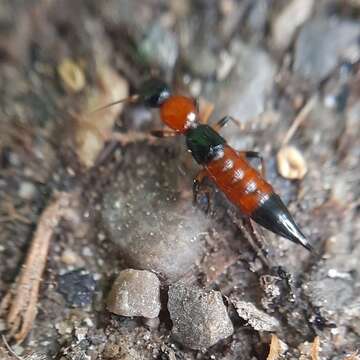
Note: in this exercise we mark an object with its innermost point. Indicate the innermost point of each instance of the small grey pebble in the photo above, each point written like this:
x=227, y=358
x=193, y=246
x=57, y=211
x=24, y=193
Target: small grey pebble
x=27, y=190
x=199, y=317
x=135, y=293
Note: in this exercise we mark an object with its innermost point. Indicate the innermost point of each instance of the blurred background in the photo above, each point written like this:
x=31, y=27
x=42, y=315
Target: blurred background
x=289, y=71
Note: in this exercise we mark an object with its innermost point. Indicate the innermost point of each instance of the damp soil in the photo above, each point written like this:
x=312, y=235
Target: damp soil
x=224, y=53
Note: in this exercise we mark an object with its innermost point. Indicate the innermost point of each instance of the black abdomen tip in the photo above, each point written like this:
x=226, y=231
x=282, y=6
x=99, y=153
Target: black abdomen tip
x=274, y=216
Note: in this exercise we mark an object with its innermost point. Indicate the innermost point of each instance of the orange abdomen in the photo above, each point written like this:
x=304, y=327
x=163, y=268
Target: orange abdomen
x=240, y=182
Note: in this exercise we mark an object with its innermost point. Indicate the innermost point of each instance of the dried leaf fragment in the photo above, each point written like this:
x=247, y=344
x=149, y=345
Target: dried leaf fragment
x=353, y=356
x=256, y=318
x=315, y=348
x=91, y=128
x=291, y=163
x=277, y=348
x=72, y=75
x=274, y=352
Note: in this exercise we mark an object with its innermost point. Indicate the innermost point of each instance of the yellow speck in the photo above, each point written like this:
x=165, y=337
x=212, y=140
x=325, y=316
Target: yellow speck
x=72, y=75
x=291, y=163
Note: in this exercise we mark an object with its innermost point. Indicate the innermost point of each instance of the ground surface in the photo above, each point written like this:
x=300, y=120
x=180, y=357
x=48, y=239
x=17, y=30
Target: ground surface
x=260, y=61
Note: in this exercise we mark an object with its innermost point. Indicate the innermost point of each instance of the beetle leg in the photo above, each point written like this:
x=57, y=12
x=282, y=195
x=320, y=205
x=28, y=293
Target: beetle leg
x=223, y=121
x=198, y=186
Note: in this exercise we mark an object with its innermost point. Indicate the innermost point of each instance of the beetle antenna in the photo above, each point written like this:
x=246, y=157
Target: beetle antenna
x=129, y=99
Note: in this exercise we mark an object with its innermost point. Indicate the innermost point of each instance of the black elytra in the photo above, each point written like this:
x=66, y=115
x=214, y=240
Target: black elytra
x=204, y=143
x=154, y=92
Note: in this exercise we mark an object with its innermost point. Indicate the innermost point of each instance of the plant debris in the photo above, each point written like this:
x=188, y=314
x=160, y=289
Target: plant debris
x=291, y=163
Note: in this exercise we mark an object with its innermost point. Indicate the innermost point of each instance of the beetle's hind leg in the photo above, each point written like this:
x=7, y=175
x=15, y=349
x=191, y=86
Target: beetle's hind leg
x=198, y=186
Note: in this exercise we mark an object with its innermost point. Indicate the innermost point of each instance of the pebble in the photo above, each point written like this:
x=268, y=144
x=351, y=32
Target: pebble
x=294, y=14
x=199, y=317
x=160, y=46
x=77, y=287
x=135, y=293
x=71, y=258
x=245, y=91
x=256, y=318
x=27, y=190
x=322, y=43
x=258, y=17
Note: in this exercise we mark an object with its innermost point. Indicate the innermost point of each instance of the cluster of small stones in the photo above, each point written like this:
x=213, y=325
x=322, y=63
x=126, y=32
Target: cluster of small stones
x=200, y=318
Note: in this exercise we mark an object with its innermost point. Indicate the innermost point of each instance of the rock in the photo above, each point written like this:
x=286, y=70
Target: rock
x=135, y=293
x=199, y=317
x=160, y=46
x=202, y=61
x=154, y=228
x=77, y=287
x=243, y=94
x=256, y=318
x=322, y=43
x=257, y=17
x=27, y=190
x=294, y=14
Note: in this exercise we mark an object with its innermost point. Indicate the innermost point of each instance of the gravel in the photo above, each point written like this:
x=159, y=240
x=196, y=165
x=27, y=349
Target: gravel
x=135, y=293
x=322, y=43
x=292, y=16
x=247, y=87
x=199, y=317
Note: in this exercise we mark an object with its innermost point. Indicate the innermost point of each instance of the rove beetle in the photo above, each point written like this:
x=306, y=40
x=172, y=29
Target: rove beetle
x=228, y=168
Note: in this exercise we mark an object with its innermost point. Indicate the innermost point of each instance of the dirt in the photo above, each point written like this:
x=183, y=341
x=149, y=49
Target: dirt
x=213, y=44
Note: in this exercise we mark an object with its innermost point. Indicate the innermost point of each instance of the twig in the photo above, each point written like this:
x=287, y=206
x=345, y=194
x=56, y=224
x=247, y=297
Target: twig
x=18, y=307
x=13, y=214
x=9, y=349
x=299, y=119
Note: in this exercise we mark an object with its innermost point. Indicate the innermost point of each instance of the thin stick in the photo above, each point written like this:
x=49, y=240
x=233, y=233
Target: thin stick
x=19, y=306
x=9, y=349
x=299, y=119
